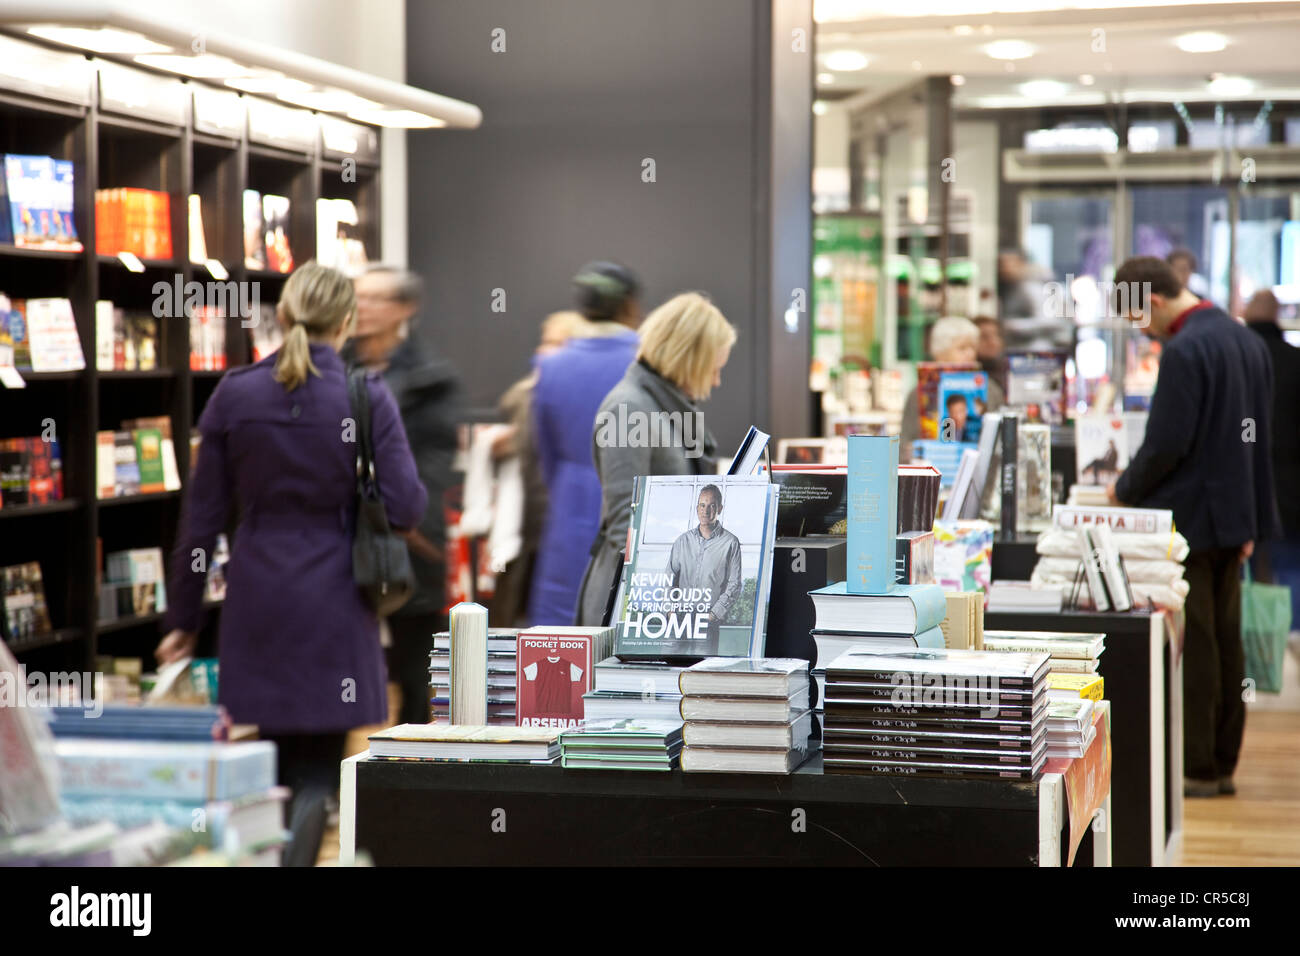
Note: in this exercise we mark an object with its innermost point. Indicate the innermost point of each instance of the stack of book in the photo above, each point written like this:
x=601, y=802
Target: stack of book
x=1069, y=652
x=125, y=341
x=963, y=628
x=31, y=471
x=467, y=743
x=937, y=713
x=500, y=675
x=624, y=744
x=635, y=690
x=1063, y=685
x=1022, y=597
x=745, y=715
x=137, y=221
x=1070, y=729
x=23, y=612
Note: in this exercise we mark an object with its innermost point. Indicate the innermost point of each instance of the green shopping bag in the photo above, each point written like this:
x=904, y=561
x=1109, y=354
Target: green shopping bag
x=1265, y=624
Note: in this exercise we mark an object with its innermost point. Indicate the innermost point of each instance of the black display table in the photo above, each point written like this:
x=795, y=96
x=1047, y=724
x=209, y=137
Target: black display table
x=405, y=813
x=1142, y=669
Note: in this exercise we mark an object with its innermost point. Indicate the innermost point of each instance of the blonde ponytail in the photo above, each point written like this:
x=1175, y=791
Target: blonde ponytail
x=316, y=301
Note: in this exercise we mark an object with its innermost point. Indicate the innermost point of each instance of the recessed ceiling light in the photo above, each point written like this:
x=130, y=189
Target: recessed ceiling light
x=1042, y=89
x=1202, y=41
x=205, y=66
x=99, y=39
x=845, y=61
x=819, y=107
x=957, y=79
x=916, y=65
x=826, y=79
x=1010, y=67
x=1087, y=79
x=401, y=119
x=1009, y=50
x=987, y=29
x=1230, y=86
x=963, y=30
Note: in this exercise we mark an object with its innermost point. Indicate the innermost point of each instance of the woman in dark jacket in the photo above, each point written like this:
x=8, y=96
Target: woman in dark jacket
x=684, y=345
x=570, y=386
x=299, y=647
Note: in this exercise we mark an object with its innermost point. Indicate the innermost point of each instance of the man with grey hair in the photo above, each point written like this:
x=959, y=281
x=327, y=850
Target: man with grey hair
x=428, y=395
x=953, y=341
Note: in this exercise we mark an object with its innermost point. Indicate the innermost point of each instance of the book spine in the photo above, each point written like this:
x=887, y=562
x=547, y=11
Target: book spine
x=1010, y=440
x=872, y=513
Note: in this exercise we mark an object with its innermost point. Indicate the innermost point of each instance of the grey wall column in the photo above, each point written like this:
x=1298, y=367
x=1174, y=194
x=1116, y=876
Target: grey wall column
x=577, y=95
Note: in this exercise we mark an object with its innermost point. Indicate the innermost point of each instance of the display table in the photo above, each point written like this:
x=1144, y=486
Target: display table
x=407, y=813
x=1143, y=672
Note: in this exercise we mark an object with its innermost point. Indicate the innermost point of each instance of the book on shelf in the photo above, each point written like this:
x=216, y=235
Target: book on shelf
x=773, y=677
x=1056, y=644
x=267, y=334
x=214, y=587
x=162, y=426
x=338, y=236
x=467, y=742
x=105, y=464
x=31, y=472
x=811, y=502
x=773, y=710
x=742, y=760
x=275, y=223
x=40, y=192
x=873, y=513
x=176, y=770
x=963, y=555
x=126, y=479
x=962, y=485
x=125, y=341
x=813, y=452
x=137, y=221
x=207, y=339
x=677, y=602
x=23, y=610
x=198, y=250
x=918, y=497
x=963, y=400
x=1009, y=474
x=148, y=457
x=254, y=234
x=1091, y=559
x=1113, y=578
x=134, y=584
x=52, y=343
x=1004, y=670
x=554, y=671
x=907, y=609
x=944, y=456
x=1036, y=386
x=467, y=700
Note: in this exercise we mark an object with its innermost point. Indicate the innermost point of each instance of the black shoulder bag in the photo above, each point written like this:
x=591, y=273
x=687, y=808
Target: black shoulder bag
x=381, y=562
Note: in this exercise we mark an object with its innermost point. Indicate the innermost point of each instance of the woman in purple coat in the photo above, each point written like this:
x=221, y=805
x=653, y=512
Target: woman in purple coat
x=299, y=647
x=571, y=384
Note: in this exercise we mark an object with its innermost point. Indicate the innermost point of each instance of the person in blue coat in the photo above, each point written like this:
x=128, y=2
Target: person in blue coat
x=570, y=387
x=298, y=645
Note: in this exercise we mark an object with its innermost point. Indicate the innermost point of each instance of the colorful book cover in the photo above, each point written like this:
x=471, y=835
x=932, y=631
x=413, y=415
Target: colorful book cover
x=963, y=555
x=148, y=454
x=928, y=376
x=553, y=669
x=164, y=770
x=55, y=343
x=275, y=223
x=1101, y=448
x=254, y=236
x=811, y=503
x=45, y=479
x=873, y=513
x=40, y=202
x=699, y=570
x=126, y=480
x=23, y=602
x=18, y=333
x=963, y=400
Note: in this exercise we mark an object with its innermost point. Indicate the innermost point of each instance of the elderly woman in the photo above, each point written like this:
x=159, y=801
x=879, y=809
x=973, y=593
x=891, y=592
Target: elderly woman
x=953, y=341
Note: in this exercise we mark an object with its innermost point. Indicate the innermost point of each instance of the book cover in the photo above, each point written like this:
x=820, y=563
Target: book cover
x=18, y=333
x=44, y=479
x=873, y=513
x=126, y=479
x=1066, y=686
x=928, y=378
x=167, y=447
x=148, y=456
x=914, y=558
x=1036, y=386
x=105, y=465
x=254, y=236
x=907, y=609
x=1011, y=670
x=25, y=613
x=55, y=344
x=811, y=503
x=198, y=241
x=1034, y=477
x=15, y=469
x=40, y=192
x=275, y=224
x=164, y=770
x=1101, y=448
x=1120, y=520
x=553, y=671
x=699, y=571
x=963, y=400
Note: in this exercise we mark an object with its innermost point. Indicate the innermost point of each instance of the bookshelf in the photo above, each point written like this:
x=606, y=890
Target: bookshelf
x=182, y=138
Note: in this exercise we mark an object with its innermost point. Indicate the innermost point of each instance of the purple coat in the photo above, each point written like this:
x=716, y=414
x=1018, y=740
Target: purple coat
x=299, y=649
x=571, y=384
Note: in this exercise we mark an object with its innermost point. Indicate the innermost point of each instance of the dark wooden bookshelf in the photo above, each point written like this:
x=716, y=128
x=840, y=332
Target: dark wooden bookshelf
x=114, y=150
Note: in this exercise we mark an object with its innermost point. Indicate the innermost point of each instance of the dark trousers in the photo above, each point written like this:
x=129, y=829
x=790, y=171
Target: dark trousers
x=1214, y=714
x=308, y=764
x=408, y=662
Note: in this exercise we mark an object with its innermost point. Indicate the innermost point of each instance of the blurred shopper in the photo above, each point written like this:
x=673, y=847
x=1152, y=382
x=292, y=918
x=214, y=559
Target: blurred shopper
x=1183, y=262
x=570, y=386
x=990, y=351
x=428, y=396
x=684, y=345
x=953, y=341
x=1281, y=560
x=1205, y=456
x=1025, y=307
x=299, y=647
x=515, y=442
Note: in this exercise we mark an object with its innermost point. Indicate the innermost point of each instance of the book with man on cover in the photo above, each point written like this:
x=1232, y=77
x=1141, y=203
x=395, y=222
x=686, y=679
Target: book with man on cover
x=698, y=571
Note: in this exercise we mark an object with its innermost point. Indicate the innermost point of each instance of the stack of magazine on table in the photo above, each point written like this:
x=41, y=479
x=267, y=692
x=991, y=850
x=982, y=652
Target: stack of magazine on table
x=1069, y=652
x=937, y=713
x=745, y=715
x=501, y=690
x=1070, y=728
x=625, y=744
x=467, y=743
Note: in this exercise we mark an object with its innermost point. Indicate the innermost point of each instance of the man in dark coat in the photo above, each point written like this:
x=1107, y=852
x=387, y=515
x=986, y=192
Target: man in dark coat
x=1205, y=456
x=428, y=396
x=1280, y=560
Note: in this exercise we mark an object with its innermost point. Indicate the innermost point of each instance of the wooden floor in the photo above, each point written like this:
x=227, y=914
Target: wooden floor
x=1260, y=826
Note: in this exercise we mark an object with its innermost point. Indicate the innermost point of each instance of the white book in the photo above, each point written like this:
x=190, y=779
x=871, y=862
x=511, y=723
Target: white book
x=467, y=700
x=1108, y=557
x=1092, y=569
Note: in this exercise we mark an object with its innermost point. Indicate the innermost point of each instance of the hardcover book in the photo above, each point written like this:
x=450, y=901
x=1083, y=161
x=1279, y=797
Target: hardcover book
x=554, y=670
x=873, y=513
x=741, y=677
x=928, y=378
x=1101, y=448
x=699, y=571
x=811, y=502
x=1120, y=520
x=963, y=400
x=40, y=191
x=148, y=455
x=907, y=609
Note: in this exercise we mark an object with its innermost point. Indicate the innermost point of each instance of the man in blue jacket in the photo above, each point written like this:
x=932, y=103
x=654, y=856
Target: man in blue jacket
x=1205, y=456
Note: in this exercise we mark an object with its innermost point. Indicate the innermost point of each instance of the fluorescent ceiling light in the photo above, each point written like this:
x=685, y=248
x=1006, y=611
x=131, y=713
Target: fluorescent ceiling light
x=1203, y=41
x=845, y=61
x=98, y=39
x=828, y=11
x=957, y=79
x=205, y=66
x=1230, y=86
x=330, y=101
x=1043, y=89
x=267, y=81
x=826, y=78
x=819, y=107
x=399, y=119
x=1009, y=49
x=1087, y=79
x=963, y=30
